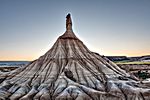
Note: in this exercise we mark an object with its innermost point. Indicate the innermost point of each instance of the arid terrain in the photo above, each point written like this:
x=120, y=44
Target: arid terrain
x=70, y=71
x=129, y=67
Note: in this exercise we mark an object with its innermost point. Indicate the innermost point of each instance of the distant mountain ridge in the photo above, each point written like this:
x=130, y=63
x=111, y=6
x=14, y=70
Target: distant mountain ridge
x=112, y=58
x=123, y=58
x=13, y=63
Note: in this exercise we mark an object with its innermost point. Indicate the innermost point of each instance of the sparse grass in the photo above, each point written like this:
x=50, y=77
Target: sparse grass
x=134, y=62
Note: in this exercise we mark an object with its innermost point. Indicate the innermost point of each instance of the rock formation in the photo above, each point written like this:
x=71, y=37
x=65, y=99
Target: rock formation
x=69, y=70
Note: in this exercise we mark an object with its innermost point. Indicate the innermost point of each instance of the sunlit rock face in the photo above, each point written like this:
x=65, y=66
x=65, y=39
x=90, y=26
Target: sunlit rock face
x=69, y=70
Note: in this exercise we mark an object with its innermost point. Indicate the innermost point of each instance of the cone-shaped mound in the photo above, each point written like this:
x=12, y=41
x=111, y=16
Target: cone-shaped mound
x=69, y=70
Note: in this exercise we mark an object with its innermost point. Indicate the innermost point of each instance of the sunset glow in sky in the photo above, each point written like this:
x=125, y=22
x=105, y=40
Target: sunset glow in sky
x=28, y=28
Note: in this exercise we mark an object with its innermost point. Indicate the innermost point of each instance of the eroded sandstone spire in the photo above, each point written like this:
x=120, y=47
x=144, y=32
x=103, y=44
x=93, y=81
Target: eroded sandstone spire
x=69, y=31
x=68, y=22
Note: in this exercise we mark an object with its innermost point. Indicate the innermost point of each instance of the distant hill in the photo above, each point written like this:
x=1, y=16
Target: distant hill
x=13, y=63
x=117, y=58
x=125, y=58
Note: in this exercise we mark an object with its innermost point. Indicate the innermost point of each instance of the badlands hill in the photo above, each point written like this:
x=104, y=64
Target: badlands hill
x=70, y=71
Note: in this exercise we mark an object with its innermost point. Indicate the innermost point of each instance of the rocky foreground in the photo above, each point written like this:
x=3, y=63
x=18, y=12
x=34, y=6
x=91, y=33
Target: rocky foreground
x=135, y=67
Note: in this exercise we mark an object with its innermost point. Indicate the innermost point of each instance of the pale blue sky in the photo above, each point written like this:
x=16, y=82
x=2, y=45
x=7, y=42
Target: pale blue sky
x=28, y=28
